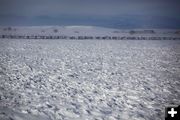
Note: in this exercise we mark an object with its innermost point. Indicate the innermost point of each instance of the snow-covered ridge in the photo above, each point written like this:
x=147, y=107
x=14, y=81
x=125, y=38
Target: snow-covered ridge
x=85, y=27
x=92, y=31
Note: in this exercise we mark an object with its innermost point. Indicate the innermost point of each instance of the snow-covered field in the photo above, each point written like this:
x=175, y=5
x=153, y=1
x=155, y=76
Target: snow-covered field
x=88, y=80
x=86, y=31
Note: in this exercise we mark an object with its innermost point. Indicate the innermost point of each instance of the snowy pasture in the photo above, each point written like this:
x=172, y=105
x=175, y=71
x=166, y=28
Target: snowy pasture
x=88, y=80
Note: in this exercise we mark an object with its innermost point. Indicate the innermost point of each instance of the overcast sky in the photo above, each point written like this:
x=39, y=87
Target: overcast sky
x=90, y=12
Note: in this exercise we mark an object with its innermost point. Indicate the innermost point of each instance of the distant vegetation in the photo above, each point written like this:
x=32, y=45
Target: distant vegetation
x=55, y=30
x=142, y=32
x=9, y=29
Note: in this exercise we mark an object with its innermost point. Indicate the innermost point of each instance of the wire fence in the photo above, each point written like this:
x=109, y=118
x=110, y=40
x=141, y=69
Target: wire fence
x=87, y=37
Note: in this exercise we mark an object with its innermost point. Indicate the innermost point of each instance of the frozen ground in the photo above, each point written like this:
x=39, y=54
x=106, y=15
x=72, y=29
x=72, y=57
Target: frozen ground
x=88, y=80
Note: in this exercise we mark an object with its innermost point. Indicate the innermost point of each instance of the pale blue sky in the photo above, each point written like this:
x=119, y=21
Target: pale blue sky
x=117, y=13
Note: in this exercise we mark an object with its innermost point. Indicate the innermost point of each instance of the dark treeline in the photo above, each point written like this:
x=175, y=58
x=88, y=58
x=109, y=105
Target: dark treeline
x=88, y=37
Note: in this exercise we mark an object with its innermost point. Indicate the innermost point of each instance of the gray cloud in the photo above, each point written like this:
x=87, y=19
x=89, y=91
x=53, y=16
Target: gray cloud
x=89, y=7
x=79, y=11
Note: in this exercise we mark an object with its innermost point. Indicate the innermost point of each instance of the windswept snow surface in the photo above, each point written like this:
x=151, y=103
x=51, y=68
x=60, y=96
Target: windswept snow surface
x=88, y=80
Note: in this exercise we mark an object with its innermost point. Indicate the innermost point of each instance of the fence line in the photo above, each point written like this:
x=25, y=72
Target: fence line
x=87, y=37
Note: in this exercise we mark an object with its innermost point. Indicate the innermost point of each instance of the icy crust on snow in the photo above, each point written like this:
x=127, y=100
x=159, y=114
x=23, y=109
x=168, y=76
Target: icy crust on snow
x=88, y=80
